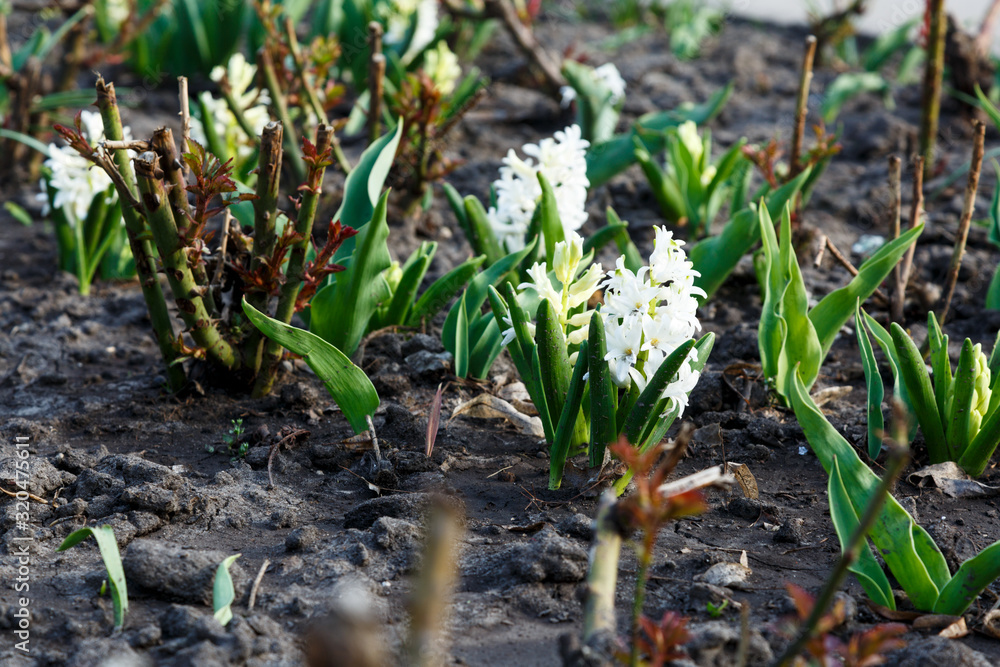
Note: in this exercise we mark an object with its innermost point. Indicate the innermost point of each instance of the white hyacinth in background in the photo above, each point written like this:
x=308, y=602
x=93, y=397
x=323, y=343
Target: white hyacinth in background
x=562, y=159
x=252, y=102
x=73, y=177
x=608, y=76
x=649, y=314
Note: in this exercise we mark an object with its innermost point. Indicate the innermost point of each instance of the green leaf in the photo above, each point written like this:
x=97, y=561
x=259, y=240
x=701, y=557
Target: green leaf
x=956, y=420
x=413, y=274
x=644, y=409
x=873, y=380
x=886, y=45
x=347, y=384
x=911, y=555
x=223, y=591
x=603, y=394
x=548, y=217
x=845, y=522
x=461, y=353
x=918, y=387
x=457, y=207
x=482, y=238
x=715, y=257
x=833, y=311
x=665, y=190
x=597, y=115
x=364, y=185
x=108, y=546
x=940, y=364
x=339, y=313
x=977, y=455
x=568, y=418
x=972, y=578
x=633, y=260
x=988, y=107
x=553, y=360
x=18, y=213
x=27, y=140
x=443, y=290
x=611, y=157
x=848, y=86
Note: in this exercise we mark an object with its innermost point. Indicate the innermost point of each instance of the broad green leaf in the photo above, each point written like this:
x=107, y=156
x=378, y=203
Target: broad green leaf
x=918, y=388
x=801, y=347
x=347, y=384
x=959, y=407
x=458, y=207
x=602, y=237
x=223, y=591
x=596, y=115
x=364, y=185
x=482, y=237
x=833, y=311
x=715, y=257
x=665, y=190
x=488, y=346
x=413, y=274
x=603, y=393
x=553, y=361
x=644, y=409
x=845, y=522
x=611, y=157
x=567, y=419
x=18, y=213
x=633, y=260
x=873, y=380
x=940, y=365
x=977, y=455
x=972, y=578
x=443, y=290
x=848, y=86
x=340, y=312
x=548, y=219
x=108, y=546
x=886, y=45
x=911, y=555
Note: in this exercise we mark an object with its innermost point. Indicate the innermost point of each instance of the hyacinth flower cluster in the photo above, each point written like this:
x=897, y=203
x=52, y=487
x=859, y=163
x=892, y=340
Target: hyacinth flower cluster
x=599, y=94
x=635, y=356
x=562, y=161
x=83, y=205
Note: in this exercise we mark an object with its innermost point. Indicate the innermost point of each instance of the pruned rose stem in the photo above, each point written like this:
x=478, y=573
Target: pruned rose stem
x=376, y=80
x=185, y=104
x=281, y=106
x=525, y=40
x=802, y=106
x=930, y=103
x=968, y=206
x=907, y=263
x=895, y=206
x=138, y=238
x=898, y=457
x=265, y=211
x=294, y=273
x=174, y=255
x=602, y=576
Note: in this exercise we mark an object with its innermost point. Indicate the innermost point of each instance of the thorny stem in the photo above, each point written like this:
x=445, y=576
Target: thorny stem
x=170, y=165
x=602, y=577
x=185, y=103
x=915, y=214
x=138, y=238
x=802, y=106
x=280, y=105
x=429, y=603
x=265, y=211
x=898, y=456
x=967, y=208
x=895, y=207
x=644, y=558
x=176, y=263
x=296, y=262
x=525, y=39
x=376, y=81
x=933, y=72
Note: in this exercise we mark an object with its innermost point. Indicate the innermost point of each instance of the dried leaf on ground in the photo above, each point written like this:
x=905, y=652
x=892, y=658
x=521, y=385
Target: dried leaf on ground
x=952, y=480
x=745, y=479
x=486, y=406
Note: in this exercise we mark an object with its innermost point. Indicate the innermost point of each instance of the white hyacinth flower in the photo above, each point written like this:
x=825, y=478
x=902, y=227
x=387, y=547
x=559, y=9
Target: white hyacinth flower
x=608, y=77
x=649, y=314
x=562, y=159
x=73, y=177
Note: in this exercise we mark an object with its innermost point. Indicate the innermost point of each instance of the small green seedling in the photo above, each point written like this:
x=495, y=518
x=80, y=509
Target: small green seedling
x=715, y=611
x=108, y=546
x=223, y=591
x=233, y=439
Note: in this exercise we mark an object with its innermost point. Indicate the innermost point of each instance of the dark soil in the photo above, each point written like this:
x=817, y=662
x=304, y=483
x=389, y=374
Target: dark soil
x=80, y=378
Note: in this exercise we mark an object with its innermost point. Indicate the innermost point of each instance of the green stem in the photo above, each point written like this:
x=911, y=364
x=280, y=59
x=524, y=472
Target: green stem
x=644, y=558
x=139, y=241
x=296, y=262
x=280, y=105
x=602, y=577
x=933, y=73
x=265, y=211
x=174, y=255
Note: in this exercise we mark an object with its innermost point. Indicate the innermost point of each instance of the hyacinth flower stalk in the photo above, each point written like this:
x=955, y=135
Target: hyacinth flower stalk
x=957, y=411
x=636, y=358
